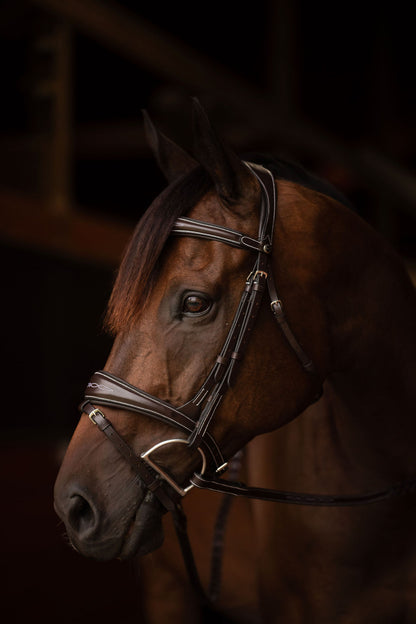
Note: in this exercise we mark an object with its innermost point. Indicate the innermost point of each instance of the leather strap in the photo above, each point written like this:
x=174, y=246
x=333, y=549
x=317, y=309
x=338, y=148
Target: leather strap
x=276, y=307
x=180, y=523
x=297, y=498
x=220, y=377
x=199, y=229
x=150, y=479
x=218, y=541
x=107, y=389
x=184, y=226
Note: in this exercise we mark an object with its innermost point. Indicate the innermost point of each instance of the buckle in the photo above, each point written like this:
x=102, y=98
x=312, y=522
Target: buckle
x=261, y=274
x=277, y=307
x=251, y=277
x=92, y=414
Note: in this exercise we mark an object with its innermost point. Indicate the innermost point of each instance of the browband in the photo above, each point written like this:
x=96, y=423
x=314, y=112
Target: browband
x=184, y=226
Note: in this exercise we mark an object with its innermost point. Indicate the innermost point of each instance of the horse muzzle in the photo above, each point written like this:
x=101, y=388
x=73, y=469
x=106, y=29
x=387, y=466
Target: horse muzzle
x=119, y=526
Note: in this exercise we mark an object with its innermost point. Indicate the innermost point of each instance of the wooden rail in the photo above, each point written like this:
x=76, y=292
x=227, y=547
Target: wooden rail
x=26, y=222
x=166, y=56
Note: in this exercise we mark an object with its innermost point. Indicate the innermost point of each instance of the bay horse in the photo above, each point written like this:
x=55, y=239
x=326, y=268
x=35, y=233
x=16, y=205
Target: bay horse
x=201, y=377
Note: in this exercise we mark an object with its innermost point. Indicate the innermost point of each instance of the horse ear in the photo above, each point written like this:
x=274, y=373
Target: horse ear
x=232, y=179
x=172, y=159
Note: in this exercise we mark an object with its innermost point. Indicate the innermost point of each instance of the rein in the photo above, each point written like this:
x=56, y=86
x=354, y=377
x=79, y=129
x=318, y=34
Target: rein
x=194, y=418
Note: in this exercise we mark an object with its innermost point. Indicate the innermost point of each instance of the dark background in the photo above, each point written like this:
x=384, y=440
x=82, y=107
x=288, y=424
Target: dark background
x=330, y=85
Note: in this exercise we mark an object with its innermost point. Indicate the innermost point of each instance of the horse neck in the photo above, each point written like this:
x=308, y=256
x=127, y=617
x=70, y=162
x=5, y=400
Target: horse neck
x=375, y=384
x=373, y=333
x=370, y=306
x=371, y=310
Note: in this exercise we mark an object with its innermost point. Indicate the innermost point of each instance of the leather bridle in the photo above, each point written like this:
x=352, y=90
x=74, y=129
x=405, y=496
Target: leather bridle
x=194, y=418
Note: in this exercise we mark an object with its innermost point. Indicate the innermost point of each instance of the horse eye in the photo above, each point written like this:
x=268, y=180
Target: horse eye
x=195, y=304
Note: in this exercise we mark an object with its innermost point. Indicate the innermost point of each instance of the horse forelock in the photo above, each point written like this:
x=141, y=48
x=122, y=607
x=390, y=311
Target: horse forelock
x=142, y=259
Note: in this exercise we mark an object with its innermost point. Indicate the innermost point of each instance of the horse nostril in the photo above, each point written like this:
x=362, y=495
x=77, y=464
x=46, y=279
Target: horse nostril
x=81, y=515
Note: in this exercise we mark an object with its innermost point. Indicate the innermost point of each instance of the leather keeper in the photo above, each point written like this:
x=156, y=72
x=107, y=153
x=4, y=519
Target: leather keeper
x=222, y=360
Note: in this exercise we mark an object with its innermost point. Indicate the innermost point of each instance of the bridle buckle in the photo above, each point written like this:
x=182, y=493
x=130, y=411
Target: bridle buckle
x=92, y=414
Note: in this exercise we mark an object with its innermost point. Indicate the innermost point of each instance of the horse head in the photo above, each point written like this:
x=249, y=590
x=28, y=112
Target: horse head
x=172, y=308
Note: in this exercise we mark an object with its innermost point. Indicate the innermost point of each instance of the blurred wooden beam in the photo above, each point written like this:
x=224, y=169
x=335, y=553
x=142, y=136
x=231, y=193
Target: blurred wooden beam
x=144, y=43
x=411, y=267
x=26, y=222
x=161, y=53
x=282, y=58
x=56, y=88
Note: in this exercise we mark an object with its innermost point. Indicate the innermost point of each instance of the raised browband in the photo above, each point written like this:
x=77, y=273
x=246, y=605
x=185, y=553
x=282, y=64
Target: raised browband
x=184, y=226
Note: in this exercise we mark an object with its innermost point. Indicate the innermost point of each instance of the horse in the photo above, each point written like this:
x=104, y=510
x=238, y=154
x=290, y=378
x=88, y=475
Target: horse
x=201, y=379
